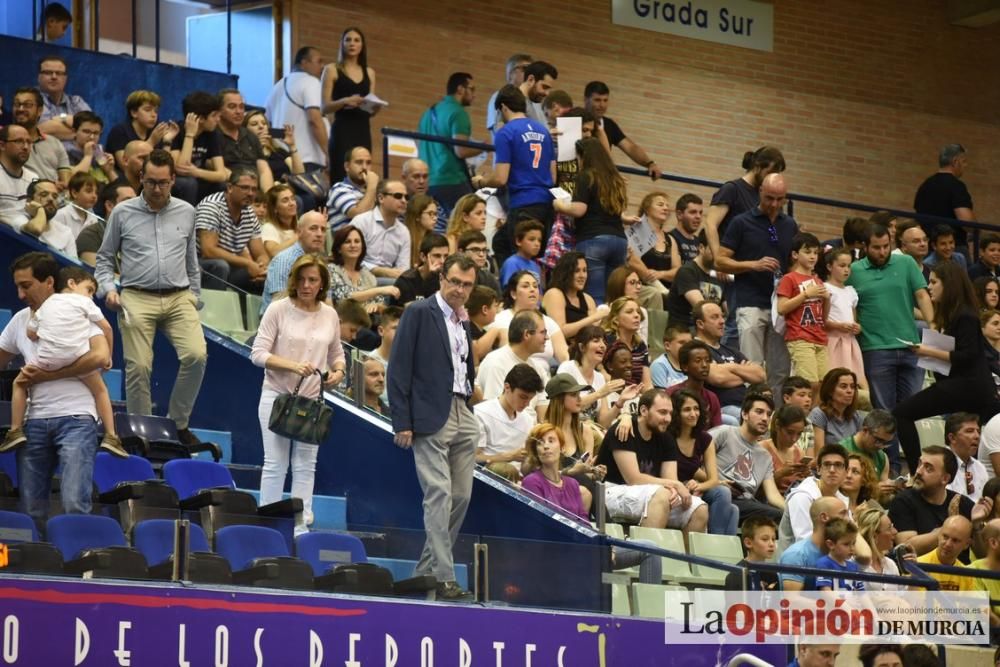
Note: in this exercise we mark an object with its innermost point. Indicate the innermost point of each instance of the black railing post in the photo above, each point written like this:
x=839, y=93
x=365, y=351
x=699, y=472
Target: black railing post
x=97, y=25
x=229, y=36
x=135, y=50
x=385, y=155
x=156, y=6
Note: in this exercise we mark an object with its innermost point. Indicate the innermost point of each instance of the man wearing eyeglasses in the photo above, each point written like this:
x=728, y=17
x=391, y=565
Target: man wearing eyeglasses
x=796, y=524
x=229, y=236
x=878, y=430
x=153, y=235
x=385, y=233
x=60, y=107
x=48, y=157
x=15, y=148
x=961, y=434
x=756, y=248
x=431, y=376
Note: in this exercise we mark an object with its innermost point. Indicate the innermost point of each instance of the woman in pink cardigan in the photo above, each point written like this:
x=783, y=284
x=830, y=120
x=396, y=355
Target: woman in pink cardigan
x=298, y=336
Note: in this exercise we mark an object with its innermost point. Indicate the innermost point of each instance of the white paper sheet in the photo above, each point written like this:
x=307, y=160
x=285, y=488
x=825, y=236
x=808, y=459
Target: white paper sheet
x=570, y=131
x=938, y=341
x=641, y=236
x=559, y=193
x=373, y=102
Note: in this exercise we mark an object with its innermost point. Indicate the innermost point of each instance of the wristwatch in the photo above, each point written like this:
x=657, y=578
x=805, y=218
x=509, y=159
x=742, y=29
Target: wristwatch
x=63, y=117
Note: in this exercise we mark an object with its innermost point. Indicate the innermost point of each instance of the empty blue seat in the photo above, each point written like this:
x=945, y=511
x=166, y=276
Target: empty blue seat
x=154, y=539
x=189, y=477
x=110, y=471
x=259, y=556
x=324, y=551
x=26, y=554
x=95, y=544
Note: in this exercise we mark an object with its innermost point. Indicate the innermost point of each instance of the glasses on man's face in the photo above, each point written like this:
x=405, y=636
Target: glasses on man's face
x=398, y=195
x=459, y=284
x=880, y=441
x=832, y=465
x=89, y=133
x=156, y=185
x=20, y=142
x=476, y=250
x=24, y=105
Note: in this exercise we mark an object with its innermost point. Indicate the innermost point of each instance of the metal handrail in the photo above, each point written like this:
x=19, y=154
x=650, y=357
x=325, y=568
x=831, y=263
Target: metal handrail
x=691, y=180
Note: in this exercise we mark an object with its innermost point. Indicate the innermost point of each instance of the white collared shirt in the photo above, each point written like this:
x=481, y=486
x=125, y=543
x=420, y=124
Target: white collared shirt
x=458, y=344
x=388, y=246
x=977, y=476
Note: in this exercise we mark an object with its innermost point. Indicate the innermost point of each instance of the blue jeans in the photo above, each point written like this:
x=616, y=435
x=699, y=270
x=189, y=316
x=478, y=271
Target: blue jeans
x=723, y=516
x=893, y=376
x=70, y=441
x=604, y=254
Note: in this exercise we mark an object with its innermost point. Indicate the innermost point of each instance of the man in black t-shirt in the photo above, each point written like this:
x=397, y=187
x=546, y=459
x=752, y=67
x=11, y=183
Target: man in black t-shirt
x=730, y=371
x=195, y=149
x=642, y=472
x=918, y=512
x=239, y=146
x=688, y=210
x=944, y=195
x=595, y=100
x=423, y=281
x=696, y=281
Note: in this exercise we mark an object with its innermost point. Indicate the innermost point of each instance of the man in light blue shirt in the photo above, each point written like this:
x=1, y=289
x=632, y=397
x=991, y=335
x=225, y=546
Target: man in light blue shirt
x=312, y=236
x=805, y=553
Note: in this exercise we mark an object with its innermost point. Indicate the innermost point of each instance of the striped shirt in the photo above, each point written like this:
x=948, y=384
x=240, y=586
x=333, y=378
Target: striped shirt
x=212, y=215
x=343, y=196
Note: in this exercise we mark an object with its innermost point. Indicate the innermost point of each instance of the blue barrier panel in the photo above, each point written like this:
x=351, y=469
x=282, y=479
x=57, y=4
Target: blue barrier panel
x=143, y=624
x=105, y=80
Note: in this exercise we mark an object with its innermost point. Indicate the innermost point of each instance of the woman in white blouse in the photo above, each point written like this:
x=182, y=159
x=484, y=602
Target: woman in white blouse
x=299, y=337
x=522, y=294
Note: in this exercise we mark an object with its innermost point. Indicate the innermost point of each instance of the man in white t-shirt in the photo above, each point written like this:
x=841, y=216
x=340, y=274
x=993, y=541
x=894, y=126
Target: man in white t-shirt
x=989, y=447
x=505, y=422
x=526, y=337
x=61, y=424
x=297, y=100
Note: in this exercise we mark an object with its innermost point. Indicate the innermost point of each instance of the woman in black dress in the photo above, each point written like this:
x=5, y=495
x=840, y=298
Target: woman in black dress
x=345, y=85
x=969, y=385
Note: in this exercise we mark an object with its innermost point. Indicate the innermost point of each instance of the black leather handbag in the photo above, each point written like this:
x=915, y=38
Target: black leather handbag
x=299, y=418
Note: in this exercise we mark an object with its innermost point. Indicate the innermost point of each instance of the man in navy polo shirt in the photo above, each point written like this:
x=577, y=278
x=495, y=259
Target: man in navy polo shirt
x=525, y=162
x=756, y=248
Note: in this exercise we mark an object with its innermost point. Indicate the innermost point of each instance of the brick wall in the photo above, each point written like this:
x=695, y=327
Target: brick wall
x=858, y=95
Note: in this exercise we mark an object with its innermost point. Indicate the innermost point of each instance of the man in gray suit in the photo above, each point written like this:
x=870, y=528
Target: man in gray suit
x=431, y=376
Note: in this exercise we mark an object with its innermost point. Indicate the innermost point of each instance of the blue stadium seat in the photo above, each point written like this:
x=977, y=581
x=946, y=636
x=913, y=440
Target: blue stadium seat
x=208, y=487
x=156, y=438
x=340, y=564
x=8, y=472
x=155, y=540
x=95, y=544
x=26, y=554
x=132, y=485
x=259, y=556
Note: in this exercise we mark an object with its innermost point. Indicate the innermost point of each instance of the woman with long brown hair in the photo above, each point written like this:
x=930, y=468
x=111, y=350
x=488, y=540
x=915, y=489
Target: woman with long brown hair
x=968, y=385
x=279, y=230
x=421, y=216
x=346, y=83
x=599, y=205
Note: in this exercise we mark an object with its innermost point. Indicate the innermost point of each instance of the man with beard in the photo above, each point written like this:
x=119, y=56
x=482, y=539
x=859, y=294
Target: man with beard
x=694, y=282
x=375, y=386
x=642, y=484
x=689, y=210
x=539, y=78
x=449, y=178
x=135, y=156
x=920, y=511
x=595, y=95
x=89, y=240
x=15, y=178
x=48, y=156
x=745, y=465
x=229, y=236
x=515, y=77
x=43, y=202
x=356, y=193
x=889, y=287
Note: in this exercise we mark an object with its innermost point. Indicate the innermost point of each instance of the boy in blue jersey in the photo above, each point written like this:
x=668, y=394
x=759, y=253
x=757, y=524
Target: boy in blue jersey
x=528, y=240
x=525, y=163
x=839, y=537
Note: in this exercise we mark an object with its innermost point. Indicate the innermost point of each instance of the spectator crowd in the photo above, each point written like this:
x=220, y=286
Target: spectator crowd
x=732, y=373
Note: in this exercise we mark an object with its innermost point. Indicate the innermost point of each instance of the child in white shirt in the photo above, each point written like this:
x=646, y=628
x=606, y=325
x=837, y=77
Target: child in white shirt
x=61, y=327
x=842, y=325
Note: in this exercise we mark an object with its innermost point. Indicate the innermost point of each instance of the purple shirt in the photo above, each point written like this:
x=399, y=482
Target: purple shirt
x=566, y=497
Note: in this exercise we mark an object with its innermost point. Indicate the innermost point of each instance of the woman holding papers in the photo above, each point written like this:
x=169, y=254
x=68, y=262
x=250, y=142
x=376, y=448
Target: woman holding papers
x=346, y=84
x=956, y=351
x=599, y=205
